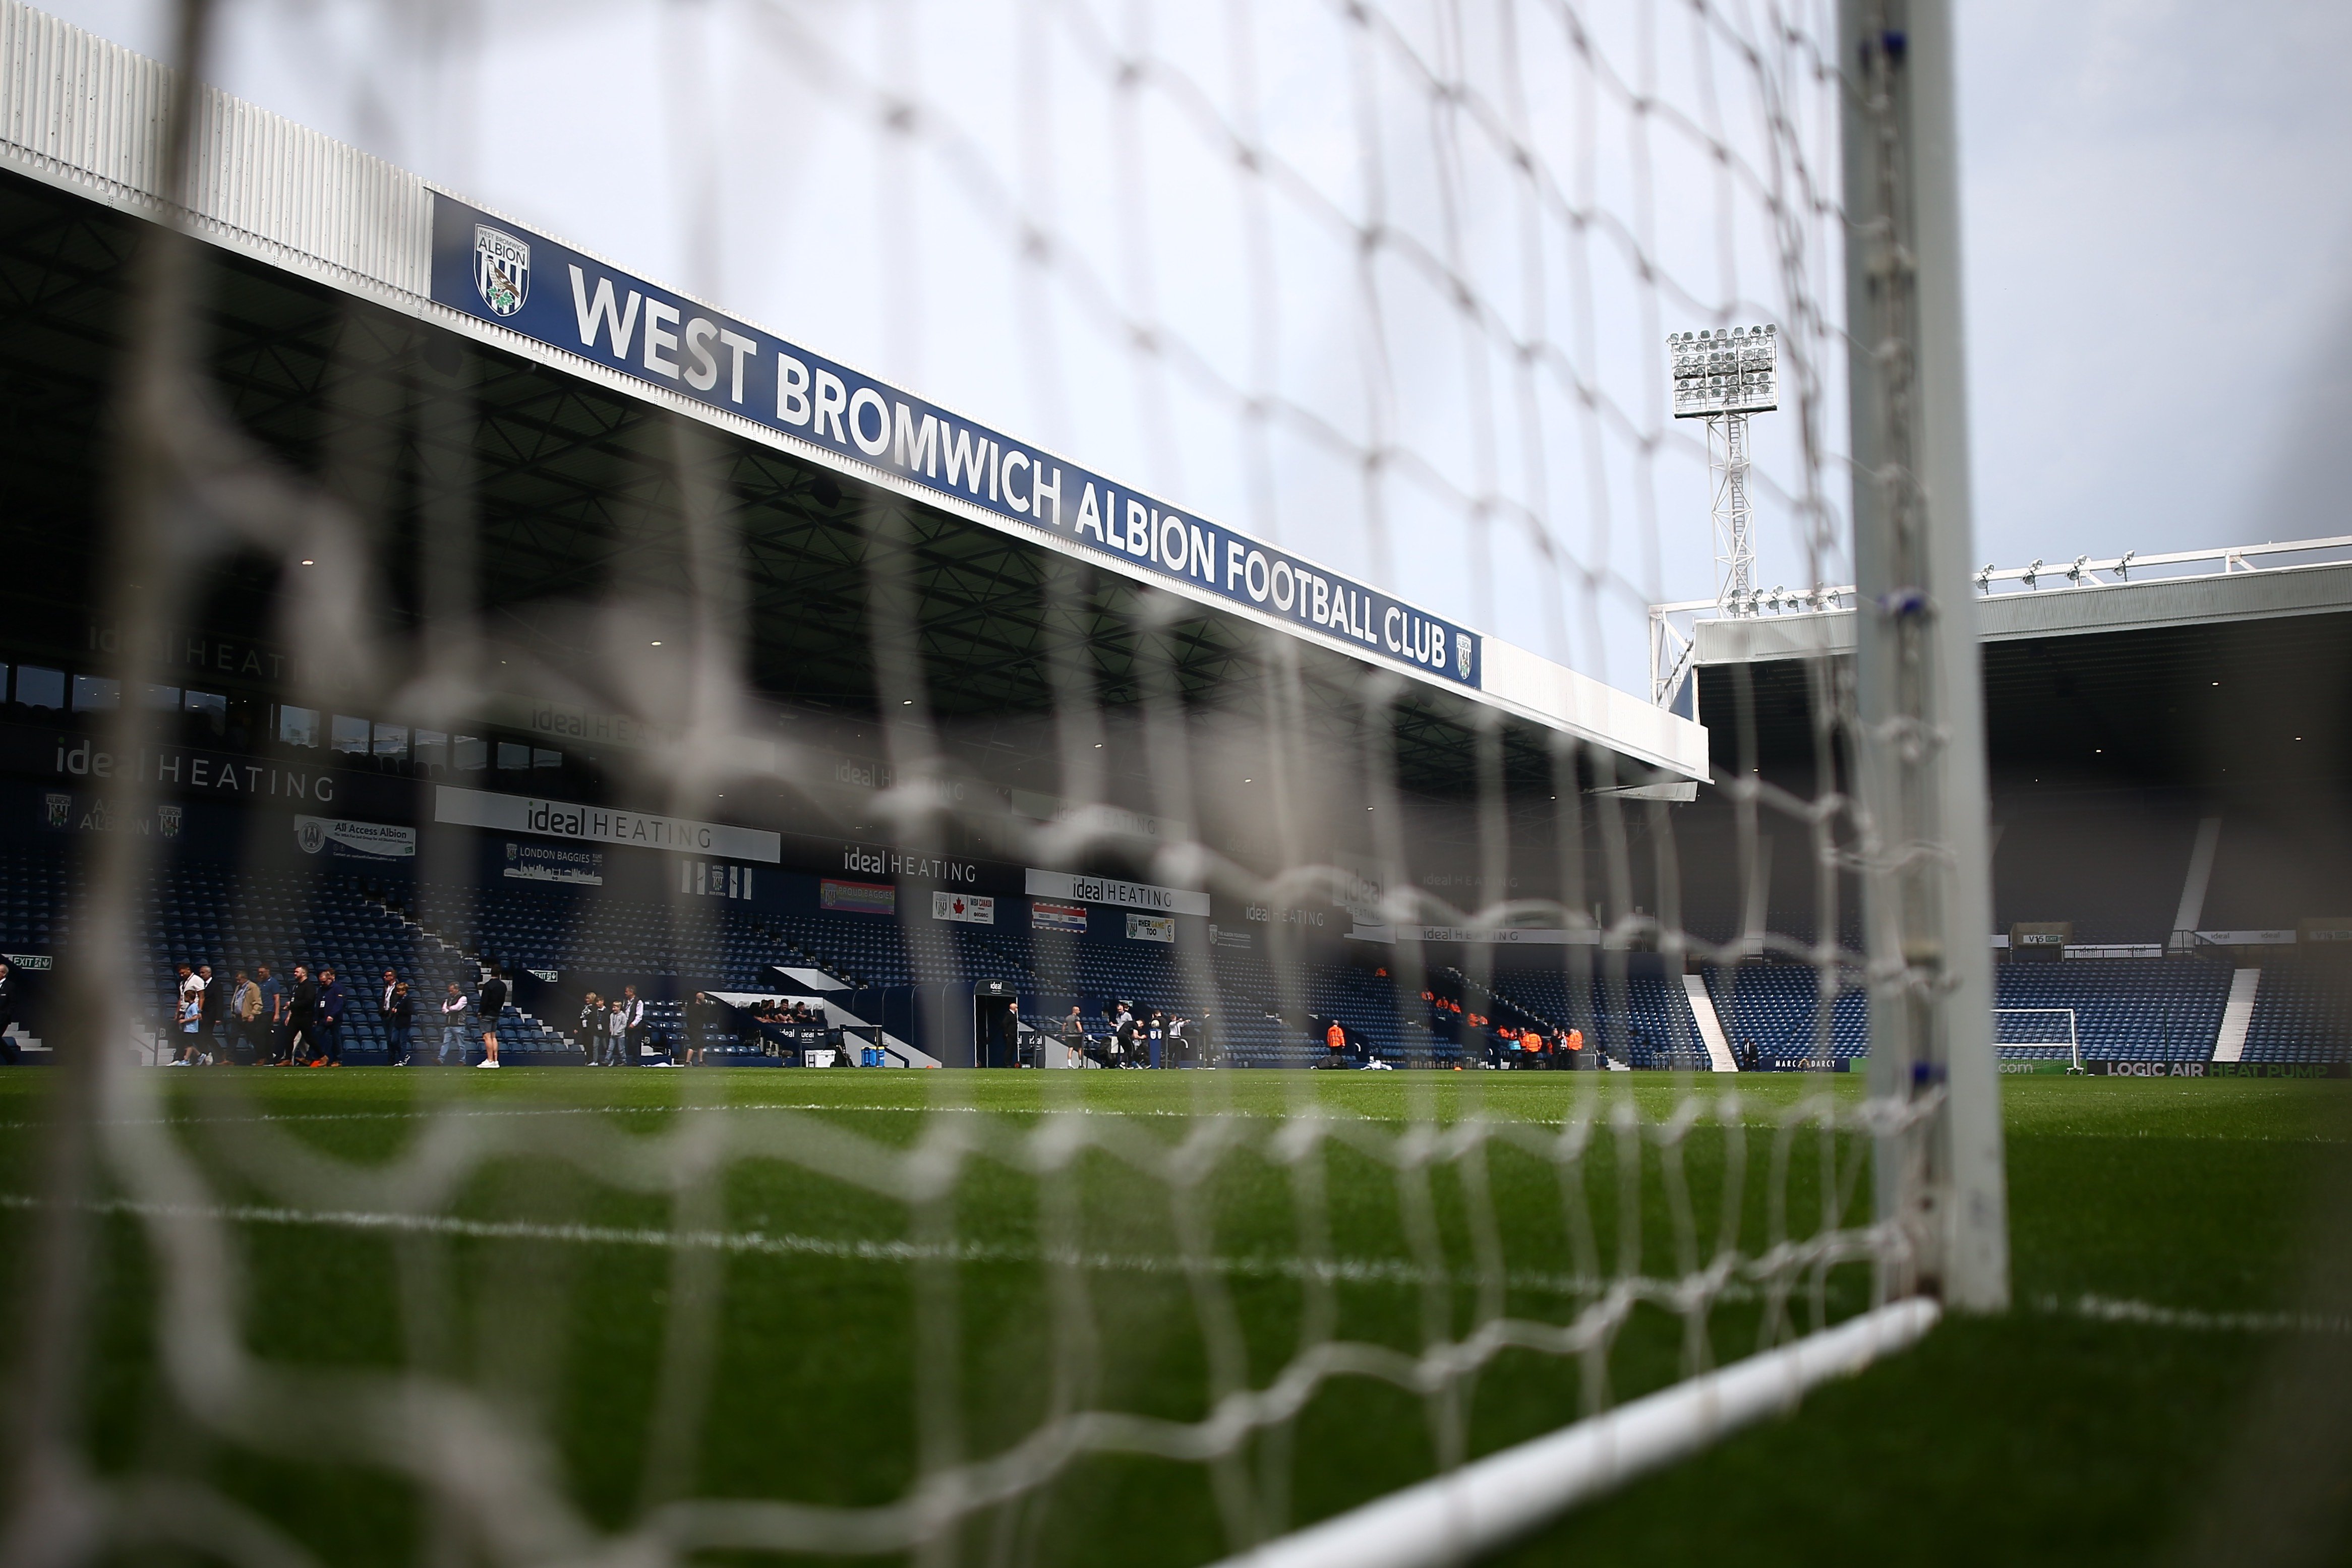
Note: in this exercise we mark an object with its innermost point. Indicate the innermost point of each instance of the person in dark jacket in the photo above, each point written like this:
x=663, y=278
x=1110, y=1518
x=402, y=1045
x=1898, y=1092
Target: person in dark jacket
x=399, y=1023
x=633, y=1024
x=701, y=1023
x=453, y=1028
x=213, y=1011
x=269, y=1035
x=332, y=1000
x=395, y=1034
x=592, y=1028
x=494, y=1002
x=301, y=1020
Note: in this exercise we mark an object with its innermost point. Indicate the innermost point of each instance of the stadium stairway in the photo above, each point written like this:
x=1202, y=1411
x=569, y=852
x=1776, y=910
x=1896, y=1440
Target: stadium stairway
x=200, y=914
x=1647, y=1023
x=1770, y=1012
x=1500, y=1010
x=524, y=1039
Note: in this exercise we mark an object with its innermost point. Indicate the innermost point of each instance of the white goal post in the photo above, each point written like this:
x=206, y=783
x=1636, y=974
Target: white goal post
x=2058, y=1026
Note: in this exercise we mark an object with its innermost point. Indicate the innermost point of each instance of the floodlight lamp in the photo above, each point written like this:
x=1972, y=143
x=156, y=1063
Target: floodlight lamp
x=1724, y=371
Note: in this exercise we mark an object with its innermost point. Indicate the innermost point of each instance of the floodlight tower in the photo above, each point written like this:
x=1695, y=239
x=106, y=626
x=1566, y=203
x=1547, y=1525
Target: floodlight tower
x=1722, y=377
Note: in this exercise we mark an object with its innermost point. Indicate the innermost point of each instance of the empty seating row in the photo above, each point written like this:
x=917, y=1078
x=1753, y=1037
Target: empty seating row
x=2303, y=1011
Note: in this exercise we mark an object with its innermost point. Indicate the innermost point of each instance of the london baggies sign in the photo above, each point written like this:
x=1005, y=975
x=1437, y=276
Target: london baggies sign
x=501, y=273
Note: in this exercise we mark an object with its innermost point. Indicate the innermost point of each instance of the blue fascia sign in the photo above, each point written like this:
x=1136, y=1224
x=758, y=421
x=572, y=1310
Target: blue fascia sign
x=497, y=272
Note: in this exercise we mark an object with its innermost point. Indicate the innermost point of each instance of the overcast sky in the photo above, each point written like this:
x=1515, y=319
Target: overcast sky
x=2158, y=223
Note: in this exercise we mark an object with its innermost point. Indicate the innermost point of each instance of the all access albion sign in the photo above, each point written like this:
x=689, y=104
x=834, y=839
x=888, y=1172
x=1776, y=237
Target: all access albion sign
x=602, y=824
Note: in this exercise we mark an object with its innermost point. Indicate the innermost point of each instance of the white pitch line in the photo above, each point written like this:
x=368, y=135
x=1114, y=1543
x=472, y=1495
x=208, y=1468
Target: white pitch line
x=1339, y=1270
x=2107, y=1309
x=453, y=1112
x=915, y=1108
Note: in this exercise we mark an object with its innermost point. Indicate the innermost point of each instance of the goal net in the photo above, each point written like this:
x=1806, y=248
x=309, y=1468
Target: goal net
x=1144, y=615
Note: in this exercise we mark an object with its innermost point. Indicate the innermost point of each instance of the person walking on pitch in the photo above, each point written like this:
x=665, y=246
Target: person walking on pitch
x=494, y=1003
x=453, y=1028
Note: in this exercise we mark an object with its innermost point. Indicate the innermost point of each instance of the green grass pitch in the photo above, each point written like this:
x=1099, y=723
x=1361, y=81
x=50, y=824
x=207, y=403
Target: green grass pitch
x=552, y=1289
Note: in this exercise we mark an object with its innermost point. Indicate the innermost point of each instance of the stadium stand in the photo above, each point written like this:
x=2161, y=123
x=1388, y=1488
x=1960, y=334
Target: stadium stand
x=2126, y=1010
x=37, y=894
x=1652, y=1026
x=2167, y=1009
x=196, y=914
x=2303, y=1011
x=534, y=927
x=1768, y=1013
x=561, y=929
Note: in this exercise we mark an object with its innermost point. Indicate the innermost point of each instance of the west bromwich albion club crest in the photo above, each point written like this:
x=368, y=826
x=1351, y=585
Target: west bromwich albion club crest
x=311, y=836
x=1462, y=654
x=501, y=269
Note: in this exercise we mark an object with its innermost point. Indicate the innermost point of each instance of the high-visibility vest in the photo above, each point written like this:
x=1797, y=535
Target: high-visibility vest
x=1337, y=1038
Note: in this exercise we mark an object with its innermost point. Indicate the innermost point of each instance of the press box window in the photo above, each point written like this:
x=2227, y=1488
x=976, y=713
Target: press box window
x=433, y=747
x=543, y=758
x=473, y=753
x=93, y=694
x=350, y=734
x=297, y=725
x=391, y=740
x=211, y=706
x=513, y=756
x=37, y=688
x=165, y=699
